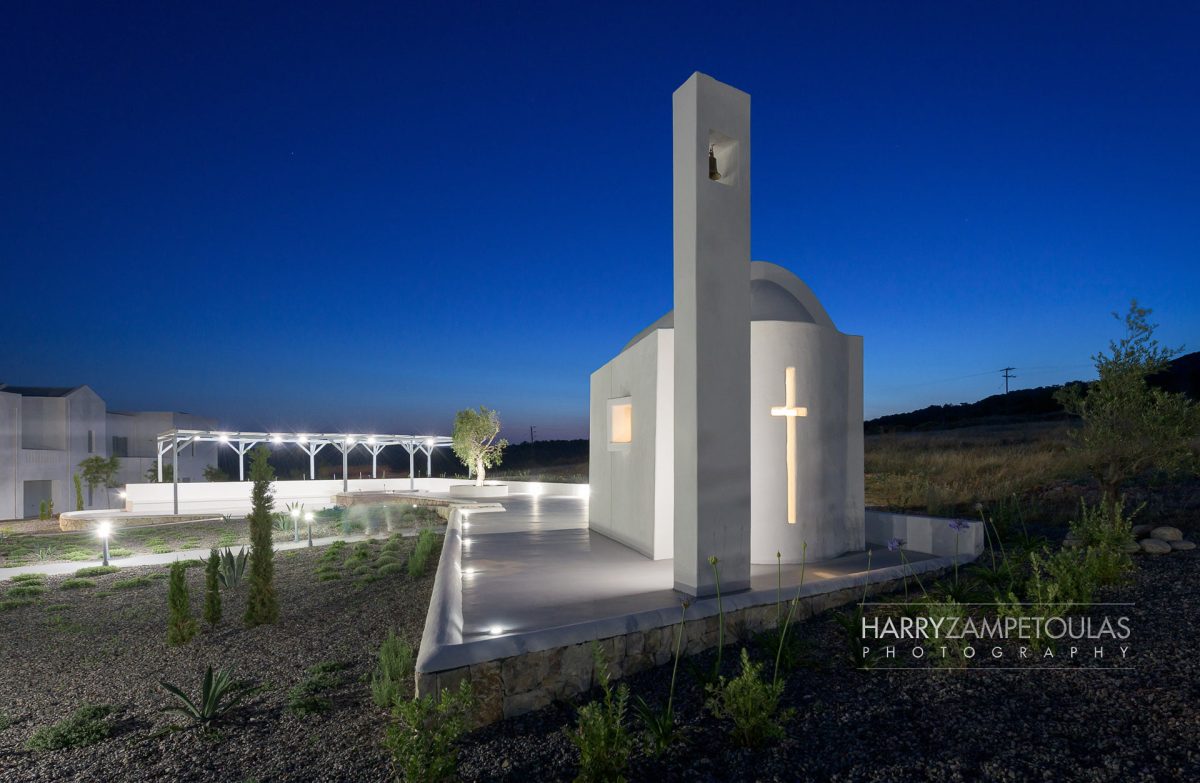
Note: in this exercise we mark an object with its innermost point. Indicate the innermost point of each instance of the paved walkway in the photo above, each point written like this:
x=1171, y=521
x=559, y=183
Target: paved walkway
x=51, y=569
x=536, y=566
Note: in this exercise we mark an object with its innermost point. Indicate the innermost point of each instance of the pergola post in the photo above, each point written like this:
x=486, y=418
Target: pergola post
x=345, y=470
x=175, y=474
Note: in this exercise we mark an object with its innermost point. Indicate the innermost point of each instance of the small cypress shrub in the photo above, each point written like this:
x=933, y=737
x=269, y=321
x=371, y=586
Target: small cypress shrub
x=78, y=491
x=418, y=561
x=212, y=589
x=181, y=626
x=262, y=604
x=394, y=669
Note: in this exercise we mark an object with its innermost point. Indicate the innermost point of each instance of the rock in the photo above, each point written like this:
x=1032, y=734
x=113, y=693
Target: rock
x=1142, y=531
x=1167, y=533
x=1182, y=545
x=1154, y=546
x=1131, y=547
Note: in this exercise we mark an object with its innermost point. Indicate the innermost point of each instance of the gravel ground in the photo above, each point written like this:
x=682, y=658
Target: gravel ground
x=107, y=645
x=930, y=724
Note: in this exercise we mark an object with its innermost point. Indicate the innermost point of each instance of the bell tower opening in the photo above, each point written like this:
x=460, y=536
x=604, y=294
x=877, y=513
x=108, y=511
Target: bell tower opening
x=722, y=158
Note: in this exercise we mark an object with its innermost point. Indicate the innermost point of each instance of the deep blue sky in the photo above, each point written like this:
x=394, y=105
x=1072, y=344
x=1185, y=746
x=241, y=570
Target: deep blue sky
x=298, y=216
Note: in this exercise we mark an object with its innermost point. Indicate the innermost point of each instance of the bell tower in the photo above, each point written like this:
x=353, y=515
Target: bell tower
x=711, y=128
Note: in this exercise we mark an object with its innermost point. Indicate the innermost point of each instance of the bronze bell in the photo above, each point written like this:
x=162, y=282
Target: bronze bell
x=712, y=165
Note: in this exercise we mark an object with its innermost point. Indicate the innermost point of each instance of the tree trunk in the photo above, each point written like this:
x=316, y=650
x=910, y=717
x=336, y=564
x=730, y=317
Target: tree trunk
x=479, y=472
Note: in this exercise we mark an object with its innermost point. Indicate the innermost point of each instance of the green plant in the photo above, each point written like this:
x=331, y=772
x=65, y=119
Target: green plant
x=100, y=472
x=218, y=695
x=418, y=560
x=392, y=671
x=213, y=474
x=306, y=697
x=231, y=568
x=8, y=604
x=1104, y=524
x=424, y=732
x=388, y=569
x=262, y=604
x=713, y=561
x=86, y=726
x=600, y=735
x=1128, y=426
x=43, y=511
x=99, y=570
x=181, y=626
x=78, y=482
x=76, y=584
x=474, y=440
x=25, y=591
x=751, y=703
x=660, y=724
x=28, y=579
x=151, y=475
x=946, y=651
x=212, y=589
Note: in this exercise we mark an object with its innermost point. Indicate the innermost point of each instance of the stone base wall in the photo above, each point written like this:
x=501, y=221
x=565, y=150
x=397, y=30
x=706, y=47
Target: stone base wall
x=522, y=683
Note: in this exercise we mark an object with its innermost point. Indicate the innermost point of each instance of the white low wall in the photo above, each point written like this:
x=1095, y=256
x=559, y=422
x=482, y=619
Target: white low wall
x=931, y=535
x=233, y=497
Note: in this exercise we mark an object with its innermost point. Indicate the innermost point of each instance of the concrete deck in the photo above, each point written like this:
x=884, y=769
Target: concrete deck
x=528, y=575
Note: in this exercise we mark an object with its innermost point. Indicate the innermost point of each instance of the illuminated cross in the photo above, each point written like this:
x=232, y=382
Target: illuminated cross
x=790, y=410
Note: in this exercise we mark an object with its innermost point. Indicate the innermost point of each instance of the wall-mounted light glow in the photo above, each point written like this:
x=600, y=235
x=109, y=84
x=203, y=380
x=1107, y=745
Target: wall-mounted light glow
x=466, y=525
x=495, y=630
x=466, y=542
x=121, y=494
x=468, y=572
x=791, y=411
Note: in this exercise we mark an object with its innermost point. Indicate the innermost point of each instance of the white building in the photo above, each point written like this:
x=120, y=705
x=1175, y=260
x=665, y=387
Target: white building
x=46, y=432
x=732, y=426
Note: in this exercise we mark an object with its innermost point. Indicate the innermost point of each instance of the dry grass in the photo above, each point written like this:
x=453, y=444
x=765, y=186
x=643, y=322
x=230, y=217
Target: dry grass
x=948, y=472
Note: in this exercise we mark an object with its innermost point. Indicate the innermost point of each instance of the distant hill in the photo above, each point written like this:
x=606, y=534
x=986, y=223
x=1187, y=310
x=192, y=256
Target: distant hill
x=1022, y=405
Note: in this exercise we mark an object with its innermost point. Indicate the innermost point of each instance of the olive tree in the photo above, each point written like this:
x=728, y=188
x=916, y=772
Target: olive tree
x=475, y=440
x=1130, y=427
x=100, y=471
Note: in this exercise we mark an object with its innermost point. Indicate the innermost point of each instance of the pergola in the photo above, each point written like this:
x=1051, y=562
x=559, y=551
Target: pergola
x=310, y=443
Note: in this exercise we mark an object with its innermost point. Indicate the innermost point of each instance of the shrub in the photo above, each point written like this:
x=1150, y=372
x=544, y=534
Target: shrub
x=181, y=627
x=751, y=703
x=96, y=570
x=86, y=726
x=25, y=591
x=8, y=604
x=79, y=554
x=28, y=579
x=76, y=584
x=600, y=735
x=212, y=589
x=231, y=568
x=418, y=561
x=218, y=695
x=393, y=670
x=328, y=576
x=78, y=482
x=262, y=604
x=660, y=724
x=305, y=698
x=392, y=568
x=423, y=735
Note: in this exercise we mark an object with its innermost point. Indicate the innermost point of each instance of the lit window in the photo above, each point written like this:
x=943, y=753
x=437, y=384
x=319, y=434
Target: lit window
x=620, y=423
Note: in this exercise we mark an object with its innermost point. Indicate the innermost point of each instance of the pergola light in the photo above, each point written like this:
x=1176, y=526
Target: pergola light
x=276, y=439
x=371, y=440
x=223, y=438
x=429, y=441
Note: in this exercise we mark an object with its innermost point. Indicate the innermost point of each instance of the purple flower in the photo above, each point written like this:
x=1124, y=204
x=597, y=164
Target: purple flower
x=958, y=525
x=895, y=544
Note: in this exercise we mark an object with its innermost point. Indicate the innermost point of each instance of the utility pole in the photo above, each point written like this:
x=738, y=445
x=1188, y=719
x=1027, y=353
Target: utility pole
x=1007, y=376
x=532, y=429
